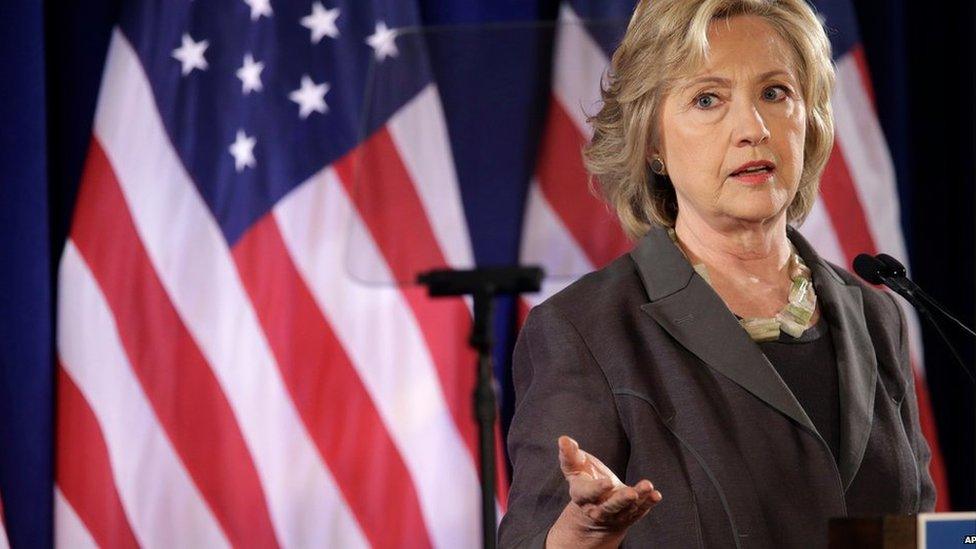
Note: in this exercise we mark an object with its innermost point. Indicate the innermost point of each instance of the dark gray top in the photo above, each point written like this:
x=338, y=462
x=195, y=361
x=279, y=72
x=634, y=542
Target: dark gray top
x=808, y=366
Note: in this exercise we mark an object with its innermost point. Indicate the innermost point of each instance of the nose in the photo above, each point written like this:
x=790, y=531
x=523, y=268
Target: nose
x=750, y=128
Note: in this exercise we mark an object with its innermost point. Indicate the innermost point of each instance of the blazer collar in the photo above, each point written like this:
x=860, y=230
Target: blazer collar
x=688, y=309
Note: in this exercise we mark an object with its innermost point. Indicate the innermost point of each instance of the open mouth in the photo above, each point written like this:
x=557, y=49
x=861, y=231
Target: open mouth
x=751, y=170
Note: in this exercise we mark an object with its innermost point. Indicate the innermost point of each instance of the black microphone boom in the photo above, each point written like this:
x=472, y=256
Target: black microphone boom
x=884, y=269
x=897, y=270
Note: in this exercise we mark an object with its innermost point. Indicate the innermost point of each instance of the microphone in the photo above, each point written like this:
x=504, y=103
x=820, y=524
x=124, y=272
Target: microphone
x=884, y=269
x=869, y=268
x=895, y=268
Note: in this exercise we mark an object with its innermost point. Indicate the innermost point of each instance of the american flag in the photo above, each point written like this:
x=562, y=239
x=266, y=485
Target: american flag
x=223, y=379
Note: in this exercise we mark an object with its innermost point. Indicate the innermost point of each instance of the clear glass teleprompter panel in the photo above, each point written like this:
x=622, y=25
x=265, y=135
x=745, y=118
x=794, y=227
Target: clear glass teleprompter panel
x=470, y=151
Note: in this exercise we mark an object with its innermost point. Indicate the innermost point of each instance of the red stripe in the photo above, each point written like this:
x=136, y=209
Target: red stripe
x=563, y=180
x=178, y=382
x=392, y=210
x=844, y=207
x=333, y=403
x=83, y=470
x=523, y=311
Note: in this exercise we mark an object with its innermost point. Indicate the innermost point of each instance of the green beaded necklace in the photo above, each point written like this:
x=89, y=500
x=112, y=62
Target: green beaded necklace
x=796, y=315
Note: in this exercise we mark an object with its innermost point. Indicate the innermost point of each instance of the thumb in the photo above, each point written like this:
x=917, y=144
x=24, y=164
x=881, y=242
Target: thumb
x=571, y=458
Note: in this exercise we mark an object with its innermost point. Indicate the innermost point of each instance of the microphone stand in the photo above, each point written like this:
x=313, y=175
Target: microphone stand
x=484, y=285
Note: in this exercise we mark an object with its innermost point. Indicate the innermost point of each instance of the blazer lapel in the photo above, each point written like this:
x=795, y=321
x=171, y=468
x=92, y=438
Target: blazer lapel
x=843, y=307
x=687, y=307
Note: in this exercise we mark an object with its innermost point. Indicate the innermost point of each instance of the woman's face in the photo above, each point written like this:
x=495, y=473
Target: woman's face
x=743, y=106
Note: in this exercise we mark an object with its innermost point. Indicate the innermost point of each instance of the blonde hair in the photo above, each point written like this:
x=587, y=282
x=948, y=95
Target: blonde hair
x=664, y=39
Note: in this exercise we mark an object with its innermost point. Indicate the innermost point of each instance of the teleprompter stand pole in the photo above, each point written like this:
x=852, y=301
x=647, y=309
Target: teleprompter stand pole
x=484, y=285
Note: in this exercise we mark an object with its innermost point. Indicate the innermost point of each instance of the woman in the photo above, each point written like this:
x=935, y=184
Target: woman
x=742, y=389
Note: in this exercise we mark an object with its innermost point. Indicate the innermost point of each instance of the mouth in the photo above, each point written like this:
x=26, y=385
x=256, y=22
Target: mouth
x=754, y=172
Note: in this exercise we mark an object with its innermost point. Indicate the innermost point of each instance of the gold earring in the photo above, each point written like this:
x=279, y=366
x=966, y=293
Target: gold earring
x=657, y=166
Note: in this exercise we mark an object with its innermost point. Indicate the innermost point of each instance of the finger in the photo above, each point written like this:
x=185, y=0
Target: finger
x=652, y=499
x=617, y=510
x=623, y=509
x=646, y=493
x=645, y=504
x=638, y=511
x=644, y=488
x=622, y=499
x=585, y=491
x=571, y=458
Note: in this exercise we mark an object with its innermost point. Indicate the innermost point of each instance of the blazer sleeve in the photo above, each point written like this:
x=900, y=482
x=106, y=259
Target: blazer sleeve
x=910, y=418
x=559, y=390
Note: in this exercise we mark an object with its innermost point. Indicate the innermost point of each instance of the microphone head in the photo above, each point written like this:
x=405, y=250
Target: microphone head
x=869, y=268
x=893, y=266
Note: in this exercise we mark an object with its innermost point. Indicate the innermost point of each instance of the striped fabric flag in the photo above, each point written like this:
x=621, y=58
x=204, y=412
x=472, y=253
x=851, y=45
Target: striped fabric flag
x=223, y=379
x=858, y=211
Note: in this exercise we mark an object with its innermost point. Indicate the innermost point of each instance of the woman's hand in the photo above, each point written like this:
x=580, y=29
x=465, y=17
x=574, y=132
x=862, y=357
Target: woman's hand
x=601, y=508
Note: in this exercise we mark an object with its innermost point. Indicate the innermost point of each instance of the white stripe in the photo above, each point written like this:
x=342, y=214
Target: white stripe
x=819, y=231
x=579, y=66
x=69, y=531
x=860, y=137
x=156, y=490
x=378, y=331
x=547, y=242
x=193, y=261
x=419, y=132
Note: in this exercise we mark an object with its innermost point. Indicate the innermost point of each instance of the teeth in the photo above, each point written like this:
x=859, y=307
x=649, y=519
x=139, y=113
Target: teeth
x=754, y=169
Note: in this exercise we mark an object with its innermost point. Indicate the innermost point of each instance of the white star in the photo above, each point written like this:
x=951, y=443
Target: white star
x=259, y=8
x=383, y=42
x=310, y=97
x=242, y=149
x=190, y=54
x=321, y=22
x=250, y=75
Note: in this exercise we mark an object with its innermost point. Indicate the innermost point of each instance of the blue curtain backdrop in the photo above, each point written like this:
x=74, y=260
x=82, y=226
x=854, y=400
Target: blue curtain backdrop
x=25, y=295
x=922, y=66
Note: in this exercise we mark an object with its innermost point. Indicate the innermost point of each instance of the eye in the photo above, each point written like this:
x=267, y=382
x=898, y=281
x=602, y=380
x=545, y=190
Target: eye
x=775, y=93
x=706, y=100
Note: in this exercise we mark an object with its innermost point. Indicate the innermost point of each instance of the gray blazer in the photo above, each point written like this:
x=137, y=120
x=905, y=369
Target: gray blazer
x=642, y=363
